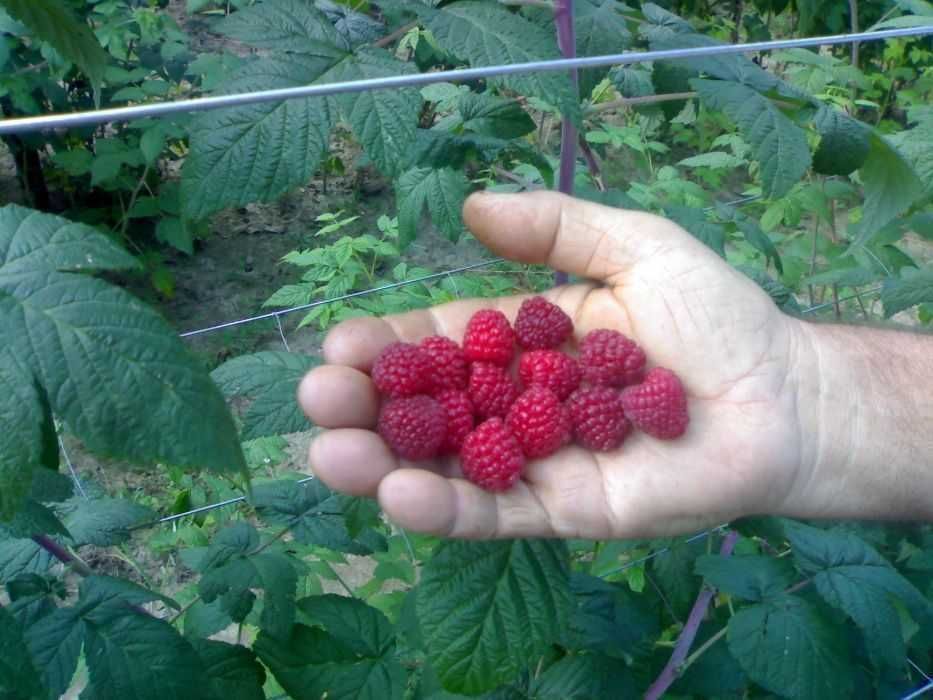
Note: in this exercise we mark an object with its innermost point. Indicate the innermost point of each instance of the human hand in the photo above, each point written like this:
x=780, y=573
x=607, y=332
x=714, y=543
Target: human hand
x=735, y=352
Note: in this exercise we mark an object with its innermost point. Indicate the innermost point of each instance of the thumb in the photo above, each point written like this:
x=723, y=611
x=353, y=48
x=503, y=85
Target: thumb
x=572, y=235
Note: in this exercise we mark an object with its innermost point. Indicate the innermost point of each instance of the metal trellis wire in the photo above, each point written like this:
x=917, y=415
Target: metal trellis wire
x=115, y=114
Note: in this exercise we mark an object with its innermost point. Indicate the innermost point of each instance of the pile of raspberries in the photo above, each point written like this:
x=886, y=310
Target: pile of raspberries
x=442, y=399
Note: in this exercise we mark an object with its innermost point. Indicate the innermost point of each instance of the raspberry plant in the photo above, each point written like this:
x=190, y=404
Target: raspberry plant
x=799, y=611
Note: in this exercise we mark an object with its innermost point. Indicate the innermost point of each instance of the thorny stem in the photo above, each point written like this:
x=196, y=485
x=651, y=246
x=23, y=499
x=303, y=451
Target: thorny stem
x=669, y=674
x=567, y=43
x=62, y=554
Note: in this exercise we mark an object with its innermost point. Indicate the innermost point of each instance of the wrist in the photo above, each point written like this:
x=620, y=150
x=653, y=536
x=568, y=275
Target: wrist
x=865, y=405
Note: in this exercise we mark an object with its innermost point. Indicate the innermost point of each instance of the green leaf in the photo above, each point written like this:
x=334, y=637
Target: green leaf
x=787, y=647
x=176, y=233
x=695, y=221
x=911, y=288
x=76, y=162
x=384, y=121
x=891, y=186
x=310, y=511
x=752, y=577
x=489, y=115
x=22, y=415
x=18, y=677
x=257, y=152
x=232, y=670
x=851, y=575
x=673, y=571
x=54, y=643
x=205, y=619
x=442, y=190
x=584, y=676
x=713, y=159
x=485, y=34
x=489, y=609
x=355, y=624
x=779, y=145
x=632, y=81
x=271, y=380
x=284, y=25
x=313, y=663
x=844, y=142
x=50, y=21
x=916, y=145
x=113, y=370
x=600, y=30
x=106, y=592
x=105, y=521
x=19, y=556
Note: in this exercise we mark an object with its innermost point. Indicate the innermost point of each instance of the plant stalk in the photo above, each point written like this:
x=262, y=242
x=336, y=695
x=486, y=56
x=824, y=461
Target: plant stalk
x=670, y=672
x=567, y=43
x=62, y=554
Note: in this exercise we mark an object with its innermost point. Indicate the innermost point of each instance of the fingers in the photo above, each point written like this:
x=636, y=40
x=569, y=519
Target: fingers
x=578, y=237
x=334, y=396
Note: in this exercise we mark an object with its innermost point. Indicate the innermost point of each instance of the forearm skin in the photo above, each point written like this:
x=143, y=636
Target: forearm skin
x=866, y=406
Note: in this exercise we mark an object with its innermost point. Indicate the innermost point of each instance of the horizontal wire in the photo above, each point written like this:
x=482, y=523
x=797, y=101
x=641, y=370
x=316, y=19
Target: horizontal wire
x=920, y=691
x=114, y=114
x=919, y=670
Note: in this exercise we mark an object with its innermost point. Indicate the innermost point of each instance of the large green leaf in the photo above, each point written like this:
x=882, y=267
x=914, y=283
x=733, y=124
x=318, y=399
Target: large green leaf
x=485, y=34
x=673, y=571
x=787, y=647
x=734, y=68
x=18, y=677
x=54, y=643
x=232, y=670
x=284, y=25
x=844, y=142
x=600, y=30
x=911, y=288
x=916, y=144
x=851, y=575
x=780, y=146
x=258, y=152
x=752, y=577
x=52, y=22
x=22, y=416
x=584, y=676
x=21, y=556
x=105, y=521
x=441, y=190
x=385, y=122
x=270, y=379
x=891, y=186
x=112, y=369
x=351, y=658
x=490, y=609
x=493, y=116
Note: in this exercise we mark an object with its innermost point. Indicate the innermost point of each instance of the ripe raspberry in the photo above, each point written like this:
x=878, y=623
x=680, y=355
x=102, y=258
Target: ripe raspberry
x=552, y=369
x=489, y=338
x=609, y=358
x=492, y=390
x=492, y=457
x=413, y=427
x=541, y=324
x=459, y=410
x=402, y=369
x=658, y=405
x=449, y=364
x=540, y=422
x=598, y=418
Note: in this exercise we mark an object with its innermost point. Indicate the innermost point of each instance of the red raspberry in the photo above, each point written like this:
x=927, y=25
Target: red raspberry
x=540, y=422
x=402, y=369
x=459, y=419
x=658, y=405
x=610, y=359
x=598, y=418
x=552, y=369
x=541, y=324
x=449, y=364
x=492, y=457
x=492, y=389
x=413, y=427
x=489, y=338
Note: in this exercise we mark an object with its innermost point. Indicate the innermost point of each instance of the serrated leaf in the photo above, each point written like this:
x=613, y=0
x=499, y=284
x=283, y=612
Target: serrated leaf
x=779, y=145
x=751, y=577
x=891, y=186
x=258, y=152
x=489, y=115
x=787, y=647
x=632, y=81
x=52, y=22
x=112, y=368
x=584, y=676
x=105, y=521
x=384, y=121
x=35, y=519
x=22, y=416
x=19, y=555
x=205, y=619
x=916, y=145
x=271, y=380
x=54, y=643
x=355, y=624
x=106, y=591
x=284, y=25
x=232, y=670
x=911, y=288
x=175, y=232
x=311, y=511
x=850, y=276
x=673, y=571
x=442, y=191
x=844, y=142
x=695, y=222
x=485, y=34
x=312, y=664
x=713, y=159
x=18, y=677
x=489, y=609
x=600, y=30
x=354, y=27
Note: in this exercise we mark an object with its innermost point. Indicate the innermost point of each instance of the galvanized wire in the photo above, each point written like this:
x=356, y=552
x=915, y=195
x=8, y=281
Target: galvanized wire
x=920, y=691
x=119, y=114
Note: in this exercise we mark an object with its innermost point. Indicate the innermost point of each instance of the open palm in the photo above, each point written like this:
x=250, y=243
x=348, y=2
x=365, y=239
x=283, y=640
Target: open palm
x=734, y=351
